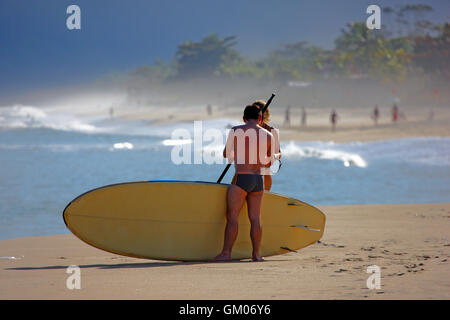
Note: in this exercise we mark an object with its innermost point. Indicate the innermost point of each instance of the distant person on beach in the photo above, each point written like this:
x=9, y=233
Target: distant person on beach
x=303, y=117
x=209, y=110
x=333, y=119
x=287, y=116
x=395, y=113
x=249, y=186
x=265, y=124
x=376, y=115
x=431, y=115
x=111, y=112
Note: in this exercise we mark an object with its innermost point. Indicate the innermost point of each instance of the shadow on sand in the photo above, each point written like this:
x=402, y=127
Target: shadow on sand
x=132, y=265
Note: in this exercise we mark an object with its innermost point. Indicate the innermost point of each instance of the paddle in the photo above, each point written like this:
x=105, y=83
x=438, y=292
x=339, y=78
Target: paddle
x=262, y=114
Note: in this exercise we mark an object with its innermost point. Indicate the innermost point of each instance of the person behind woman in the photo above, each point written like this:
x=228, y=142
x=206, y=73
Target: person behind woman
x=265, y=124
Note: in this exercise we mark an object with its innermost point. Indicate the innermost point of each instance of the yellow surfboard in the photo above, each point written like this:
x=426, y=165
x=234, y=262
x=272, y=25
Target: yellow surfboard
x=185, y=221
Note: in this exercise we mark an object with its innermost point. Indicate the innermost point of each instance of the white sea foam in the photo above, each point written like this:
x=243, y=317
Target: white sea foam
x=321, y=150
x=22, y=117
x=425, y=150
x=28, y=112
x=123, y=145
x=30, y=117
x=421, y=150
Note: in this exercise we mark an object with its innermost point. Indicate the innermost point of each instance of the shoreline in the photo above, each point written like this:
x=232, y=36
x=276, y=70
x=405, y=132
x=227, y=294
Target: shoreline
x=354, y=125
x=409, y=242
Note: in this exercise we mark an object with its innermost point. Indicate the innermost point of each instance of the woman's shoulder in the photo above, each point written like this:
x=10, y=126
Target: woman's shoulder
x=267, y=127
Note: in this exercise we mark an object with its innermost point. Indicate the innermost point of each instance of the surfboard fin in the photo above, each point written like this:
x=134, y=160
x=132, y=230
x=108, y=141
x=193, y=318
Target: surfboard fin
x=286, y=248
x=304, y=227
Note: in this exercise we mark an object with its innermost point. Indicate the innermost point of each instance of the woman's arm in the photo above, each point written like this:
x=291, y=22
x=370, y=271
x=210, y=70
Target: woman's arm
x=277, y=148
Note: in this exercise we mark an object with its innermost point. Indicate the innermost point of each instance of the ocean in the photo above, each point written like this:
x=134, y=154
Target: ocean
x=49, y=157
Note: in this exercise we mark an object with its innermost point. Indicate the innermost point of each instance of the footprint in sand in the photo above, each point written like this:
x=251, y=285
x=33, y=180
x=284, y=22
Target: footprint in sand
x=353, y=259
x=330, y=244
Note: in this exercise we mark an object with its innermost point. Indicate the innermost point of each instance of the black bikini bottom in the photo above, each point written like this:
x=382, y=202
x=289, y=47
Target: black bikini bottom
x=250, y=182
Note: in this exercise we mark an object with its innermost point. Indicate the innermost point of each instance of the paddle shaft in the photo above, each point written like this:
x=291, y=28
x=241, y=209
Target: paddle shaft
x=262, y=114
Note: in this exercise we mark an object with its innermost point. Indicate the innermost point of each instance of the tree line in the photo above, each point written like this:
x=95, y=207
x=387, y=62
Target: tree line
x=407, y=44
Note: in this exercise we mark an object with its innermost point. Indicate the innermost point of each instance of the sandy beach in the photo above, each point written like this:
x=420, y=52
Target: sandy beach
x=410, y=244
x=120, y=121
x=354, y=124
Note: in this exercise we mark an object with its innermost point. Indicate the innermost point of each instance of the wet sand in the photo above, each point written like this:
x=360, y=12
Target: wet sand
x=410, y=244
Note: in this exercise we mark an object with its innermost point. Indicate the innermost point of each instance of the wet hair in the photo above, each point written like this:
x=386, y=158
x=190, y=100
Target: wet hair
x=261, y=104
x=252, y=112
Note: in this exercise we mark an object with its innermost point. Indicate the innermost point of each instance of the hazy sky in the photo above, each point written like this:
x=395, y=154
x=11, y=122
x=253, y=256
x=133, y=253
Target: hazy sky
x=37, y=50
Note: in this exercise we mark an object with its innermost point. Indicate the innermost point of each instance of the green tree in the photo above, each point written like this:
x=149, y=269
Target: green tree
x=415, y=13
x=363, y=51
x=298, y=60
x=158, y=72
x=432, y=54
x=205, y=58
x=246, y=69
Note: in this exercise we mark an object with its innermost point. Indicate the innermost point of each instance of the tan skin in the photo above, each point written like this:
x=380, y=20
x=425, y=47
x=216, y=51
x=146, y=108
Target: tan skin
x=236, y=198
x=267, y=178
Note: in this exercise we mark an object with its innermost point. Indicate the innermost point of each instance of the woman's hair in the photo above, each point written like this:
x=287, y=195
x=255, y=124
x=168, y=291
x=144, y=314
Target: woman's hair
x=261, y=104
